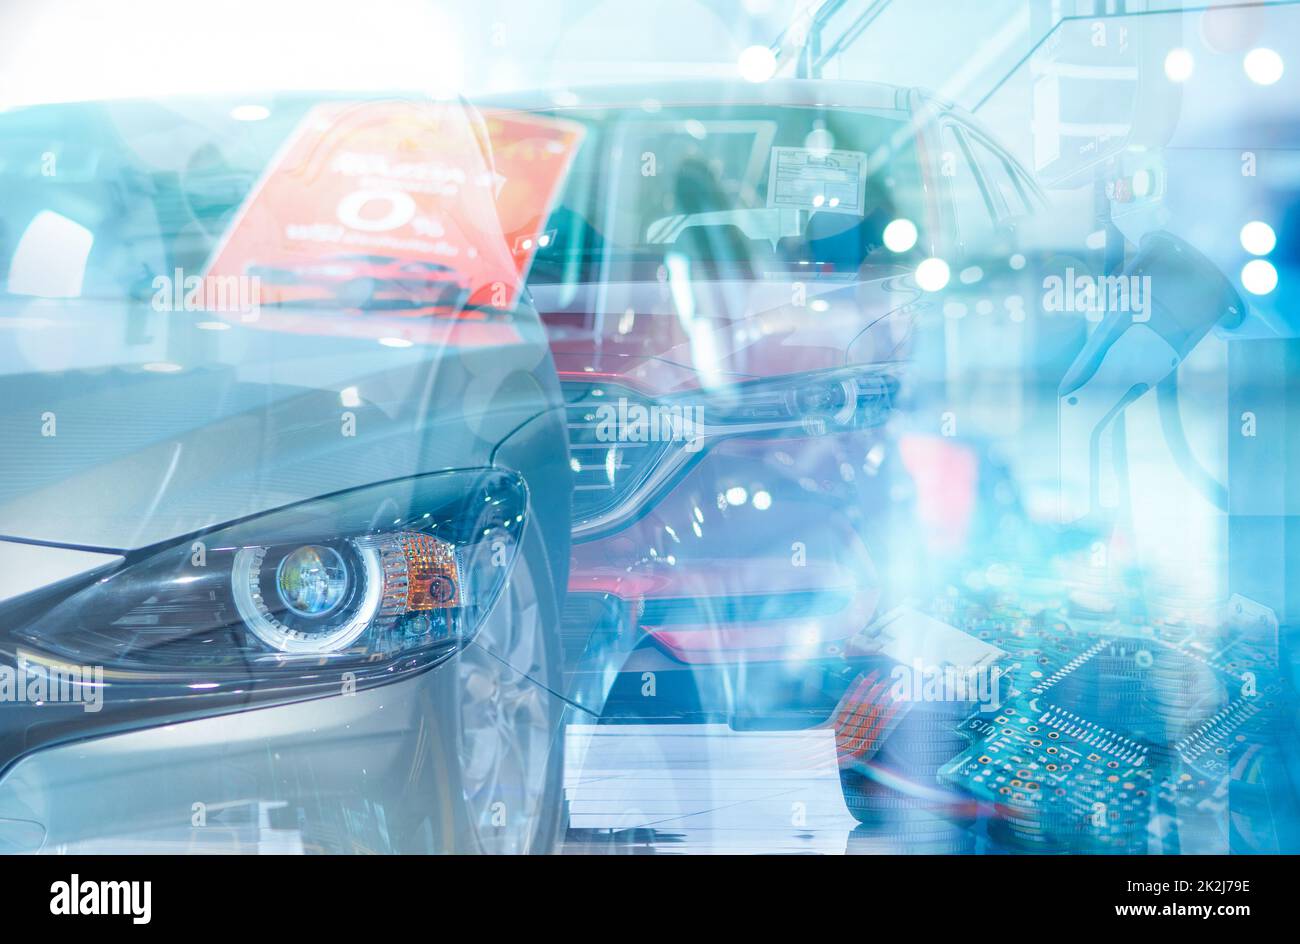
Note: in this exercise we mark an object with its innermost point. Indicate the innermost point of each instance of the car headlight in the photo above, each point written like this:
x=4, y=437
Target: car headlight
x=397, y=574
x=813, y=403
x=626, y=447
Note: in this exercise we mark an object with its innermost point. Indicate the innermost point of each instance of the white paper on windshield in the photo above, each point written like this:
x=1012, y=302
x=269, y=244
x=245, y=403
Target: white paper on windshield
x=804, y=179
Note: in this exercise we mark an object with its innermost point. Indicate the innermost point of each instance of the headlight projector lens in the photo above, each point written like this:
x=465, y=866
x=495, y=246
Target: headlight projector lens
x=313, y=580
x=312, y=600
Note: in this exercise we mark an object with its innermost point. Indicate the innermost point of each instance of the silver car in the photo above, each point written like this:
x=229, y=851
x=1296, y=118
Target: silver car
x=273, y=577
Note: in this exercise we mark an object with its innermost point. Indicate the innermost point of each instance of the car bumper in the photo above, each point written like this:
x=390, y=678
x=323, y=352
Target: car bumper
x=732, y=597
x=377, y=771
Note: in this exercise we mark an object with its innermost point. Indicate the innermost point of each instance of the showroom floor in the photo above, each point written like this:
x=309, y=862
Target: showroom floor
x=703, y=788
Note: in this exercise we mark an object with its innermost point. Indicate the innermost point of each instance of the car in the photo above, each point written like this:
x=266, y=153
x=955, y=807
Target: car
x=267, y=583
x=736, y=281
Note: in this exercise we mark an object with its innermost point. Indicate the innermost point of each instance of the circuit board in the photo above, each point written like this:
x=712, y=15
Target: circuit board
x=1111, y=737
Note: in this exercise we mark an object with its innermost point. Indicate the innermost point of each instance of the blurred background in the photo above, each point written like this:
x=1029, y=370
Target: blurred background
x=1134, y=117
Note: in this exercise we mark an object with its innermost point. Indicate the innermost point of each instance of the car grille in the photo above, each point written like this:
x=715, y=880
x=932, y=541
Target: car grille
x=605, y=473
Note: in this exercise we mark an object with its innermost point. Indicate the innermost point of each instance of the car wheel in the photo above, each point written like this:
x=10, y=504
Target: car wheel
x=511, y=741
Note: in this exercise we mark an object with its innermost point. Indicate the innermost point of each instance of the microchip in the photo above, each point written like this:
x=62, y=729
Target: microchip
x=1058, y=780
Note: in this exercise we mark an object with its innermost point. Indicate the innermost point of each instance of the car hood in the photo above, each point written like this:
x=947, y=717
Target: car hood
x=124, y=428
x=655, y=337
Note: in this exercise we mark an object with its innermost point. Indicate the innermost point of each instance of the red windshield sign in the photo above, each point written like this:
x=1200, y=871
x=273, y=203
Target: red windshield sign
x=398, y=208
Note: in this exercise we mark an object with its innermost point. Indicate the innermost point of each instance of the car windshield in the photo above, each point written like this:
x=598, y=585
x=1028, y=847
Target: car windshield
x=741, y=191
x=128, y=190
